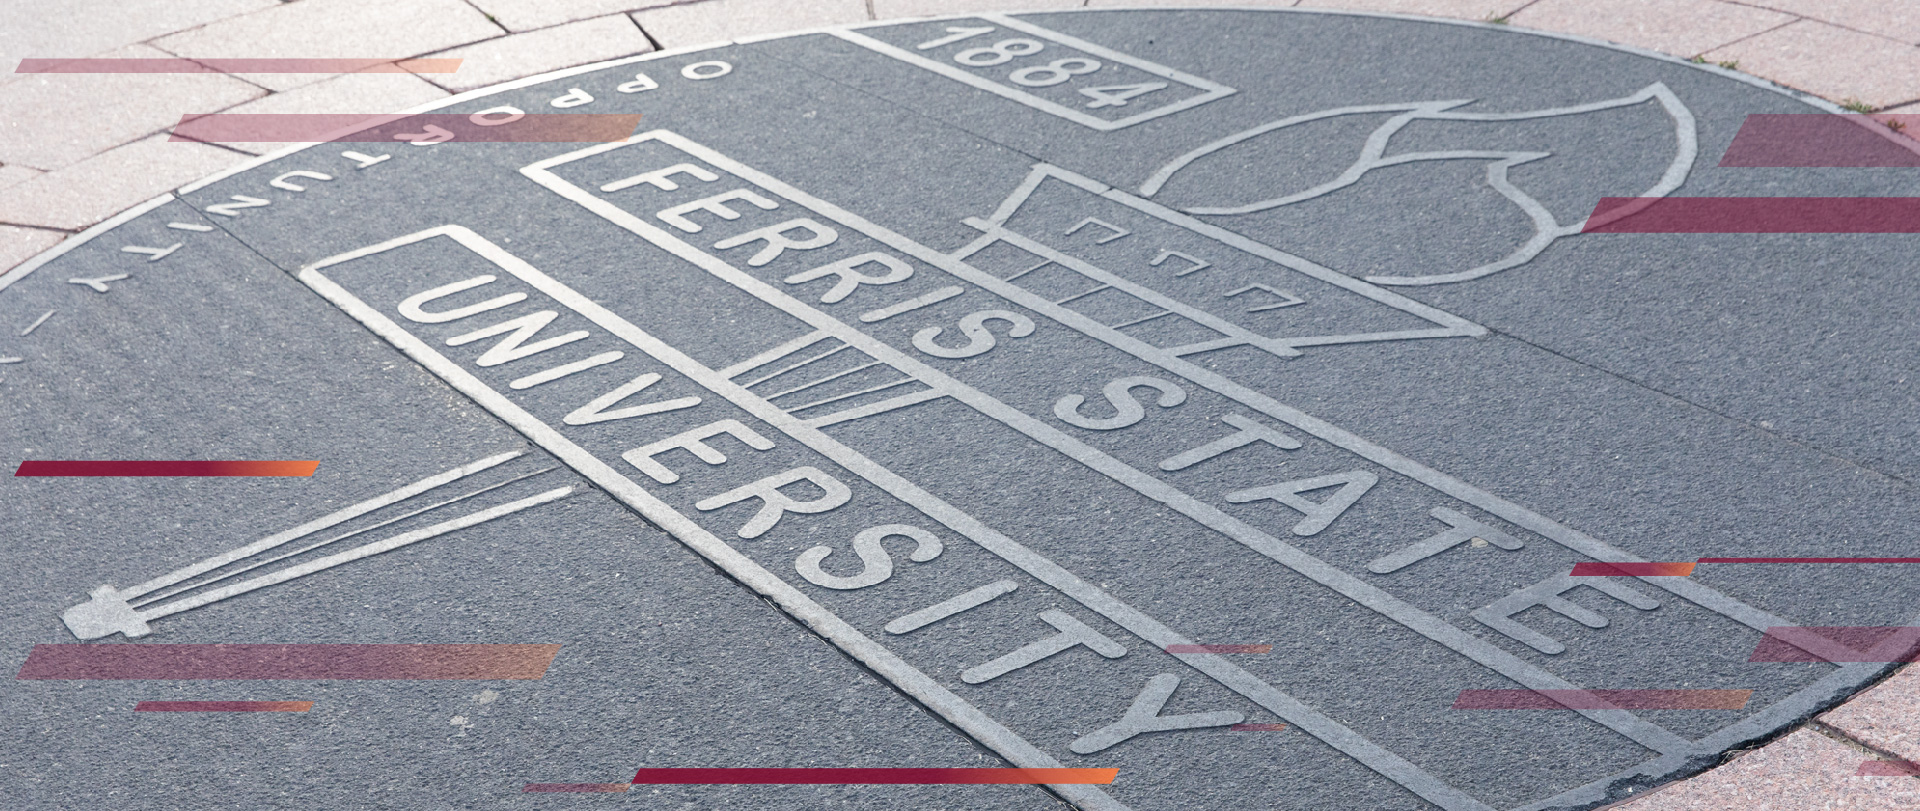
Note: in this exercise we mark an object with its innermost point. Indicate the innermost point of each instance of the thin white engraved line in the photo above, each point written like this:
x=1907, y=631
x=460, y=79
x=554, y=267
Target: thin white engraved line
x=1369, y=150
x=836, y=376
x=1064, y=301
x=309, y=548
x=822, y=356
x=881, y=407
x=895, y=384
x=989, y=238
x=1138, y=321
x=375, y=548
x=318, y=524
x=773, y=354
x=37, y=322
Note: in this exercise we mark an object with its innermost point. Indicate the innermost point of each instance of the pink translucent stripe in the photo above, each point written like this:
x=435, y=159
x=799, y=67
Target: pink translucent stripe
x=1821, y=140
x=1219, y=648
x=237, y=66
x=1838, y=644
x=223, y=706
x=398, y=128
x=154, y=661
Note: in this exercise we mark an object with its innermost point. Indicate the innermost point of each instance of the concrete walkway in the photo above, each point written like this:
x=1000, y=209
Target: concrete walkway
x=76, y=149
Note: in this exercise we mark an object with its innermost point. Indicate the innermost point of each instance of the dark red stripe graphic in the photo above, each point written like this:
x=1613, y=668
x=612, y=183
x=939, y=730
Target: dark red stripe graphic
x=145, y=661
x=1600, y=568
x=223, y=706
x=1602, y=699
x=1888, y=768
x=392, y=128
x=683, y=777
x=581, y=788
x=166, y=468
x=237, y=66
x=1838, y=644
x=1756, y=215
x=1822, y=140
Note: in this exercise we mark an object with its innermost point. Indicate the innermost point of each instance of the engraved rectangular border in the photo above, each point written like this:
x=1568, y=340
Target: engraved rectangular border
x=1209, y=90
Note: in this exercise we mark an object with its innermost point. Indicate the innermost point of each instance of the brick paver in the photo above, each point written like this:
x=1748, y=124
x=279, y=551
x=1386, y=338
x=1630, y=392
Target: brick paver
x=351, y=93
x=1830, y=61
x=20, y=244
x=1886, y=717
x=1898, y=19
x=315, y=29
x=55, y=119
x=15, y=175
x=83, y=28
x=1804, y=771
x=1679, y=27
x=99, y=187
x=691, y=24
x=499, y=60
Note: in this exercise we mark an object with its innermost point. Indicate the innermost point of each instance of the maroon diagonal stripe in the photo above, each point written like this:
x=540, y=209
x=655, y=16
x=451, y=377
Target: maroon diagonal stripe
x=1838, y=644
x=223, y=706
x=1755, y=215
x=1824, y=140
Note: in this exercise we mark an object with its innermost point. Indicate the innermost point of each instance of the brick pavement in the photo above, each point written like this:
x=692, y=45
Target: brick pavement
x=100, y=147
